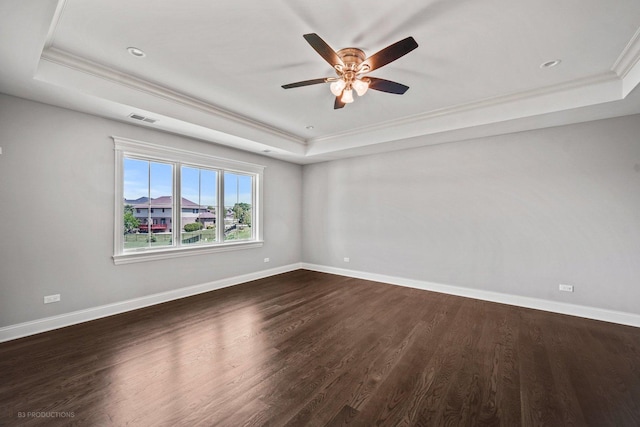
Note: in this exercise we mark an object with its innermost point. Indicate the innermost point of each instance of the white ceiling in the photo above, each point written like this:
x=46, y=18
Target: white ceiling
x=214, y=70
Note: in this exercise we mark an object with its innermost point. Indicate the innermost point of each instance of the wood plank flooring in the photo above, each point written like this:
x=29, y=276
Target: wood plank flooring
x=307, y=348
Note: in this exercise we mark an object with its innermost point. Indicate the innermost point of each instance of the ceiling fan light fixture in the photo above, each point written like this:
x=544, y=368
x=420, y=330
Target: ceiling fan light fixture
x=360, y=86
x=347, y=96
x=337, y=87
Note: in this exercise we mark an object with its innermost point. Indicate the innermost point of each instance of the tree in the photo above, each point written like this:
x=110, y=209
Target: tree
x=246, y=218
x=242, y=213
x=130, y=221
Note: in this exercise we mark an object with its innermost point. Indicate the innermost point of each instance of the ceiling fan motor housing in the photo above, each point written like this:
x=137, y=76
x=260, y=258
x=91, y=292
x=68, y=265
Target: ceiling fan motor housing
x=351, y=57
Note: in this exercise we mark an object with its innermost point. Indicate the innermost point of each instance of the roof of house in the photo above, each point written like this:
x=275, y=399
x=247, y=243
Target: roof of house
x=165, y=202
x=139, y=200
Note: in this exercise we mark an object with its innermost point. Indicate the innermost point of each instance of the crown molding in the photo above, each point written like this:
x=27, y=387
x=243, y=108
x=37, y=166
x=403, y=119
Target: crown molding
x=66, y=59
x=629, y=58
x=500, y=101
x=614, y=84
x=627, y=66
x=602, y=87
x=54, y=23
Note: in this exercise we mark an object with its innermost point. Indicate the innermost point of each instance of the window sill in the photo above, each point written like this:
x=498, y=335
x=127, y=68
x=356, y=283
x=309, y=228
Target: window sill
x=159, y=254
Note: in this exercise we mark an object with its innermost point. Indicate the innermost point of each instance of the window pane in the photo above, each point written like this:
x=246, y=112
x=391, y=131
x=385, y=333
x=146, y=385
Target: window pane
x=136, y=179
x=136, y=202
x=147, y=206
x=238, y=195
x=161, y=191
x=209, y=202
x=198, y=207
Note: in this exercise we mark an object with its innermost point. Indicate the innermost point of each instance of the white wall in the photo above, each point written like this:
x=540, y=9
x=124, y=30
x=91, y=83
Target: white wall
x=57, y=207
x=516, y=214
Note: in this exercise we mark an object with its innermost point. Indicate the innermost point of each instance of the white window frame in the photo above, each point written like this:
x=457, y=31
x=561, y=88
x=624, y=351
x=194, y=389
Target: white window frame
x=125, y=147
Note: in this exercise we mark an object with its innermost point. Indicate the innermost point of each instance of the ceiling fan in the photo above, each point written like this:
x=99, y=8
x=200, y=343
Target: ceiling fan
x=351, y=65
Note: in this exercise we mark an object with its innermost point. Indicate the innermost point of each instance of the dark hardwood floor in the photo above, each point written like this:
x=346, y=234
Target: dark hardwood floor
x=307, y=348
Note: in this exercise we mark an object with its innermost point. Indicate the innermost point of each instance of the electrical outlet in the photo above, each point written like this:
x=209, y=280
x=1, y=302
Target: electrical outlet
x=565, y=288
x=51, y=298
x=346, y=259
x=266, y=260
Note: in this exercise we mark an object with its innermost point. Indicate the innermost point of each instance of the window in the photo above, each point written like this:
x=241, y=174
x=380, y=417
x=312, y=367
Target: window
x=172, y=202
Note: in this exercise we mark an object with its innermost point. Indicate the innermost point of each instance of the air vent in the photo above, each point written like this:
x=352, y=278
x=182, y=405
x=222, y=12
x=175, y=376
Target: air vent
x=142, y=118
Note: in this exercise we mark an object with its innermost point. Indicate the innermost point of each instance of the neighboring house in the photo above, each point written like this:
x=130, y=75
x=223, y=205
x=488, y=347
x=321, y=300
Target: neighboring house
x=229, y=219
x=161, y=214
x=208, y=219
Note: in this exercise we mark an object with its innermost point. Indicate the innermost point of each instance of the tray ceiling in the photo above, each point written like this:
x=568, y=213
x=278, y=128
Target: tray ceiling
x=214, y=70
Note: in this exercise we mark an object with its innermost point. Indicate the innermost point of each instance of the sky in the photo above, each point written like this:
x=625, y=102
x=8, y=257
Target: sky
x=198, y=185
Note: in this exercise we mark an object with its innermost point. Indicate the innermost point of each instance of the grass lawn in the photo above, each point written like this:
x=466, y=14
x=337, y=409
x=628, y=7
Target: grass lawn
x=141, y=240
x=238, y=234
x=206, y=236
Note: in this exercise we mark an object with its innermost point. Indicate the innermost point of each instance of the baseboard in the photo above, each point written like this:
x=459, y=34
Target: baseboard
x=20, y=330
x=619, y=317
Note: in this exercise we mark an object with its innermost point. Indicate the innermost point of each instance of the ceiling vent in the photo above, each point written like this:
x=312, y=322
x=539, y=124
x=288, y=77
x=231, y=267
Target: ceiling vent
x=142, y=118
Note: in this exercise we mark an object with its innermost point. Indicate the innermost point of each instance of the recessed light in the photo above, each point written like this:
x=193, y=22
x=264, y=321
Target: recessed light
x=136, y=52
x=550, y=64
x=309, y=127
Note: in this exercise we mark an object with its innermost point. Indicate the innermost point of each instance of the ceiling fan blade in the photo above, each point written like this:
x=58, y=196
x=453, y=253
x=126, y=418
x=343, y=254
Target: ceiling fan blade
x=338, y=104
x=387, y=86
x=323, y=49
x=391, y=53
x=304, y=83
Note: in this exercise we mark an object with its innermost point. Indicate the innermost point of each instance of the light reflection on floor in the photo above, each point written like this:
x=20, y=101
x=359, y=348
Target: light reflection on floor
x=163, y=367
